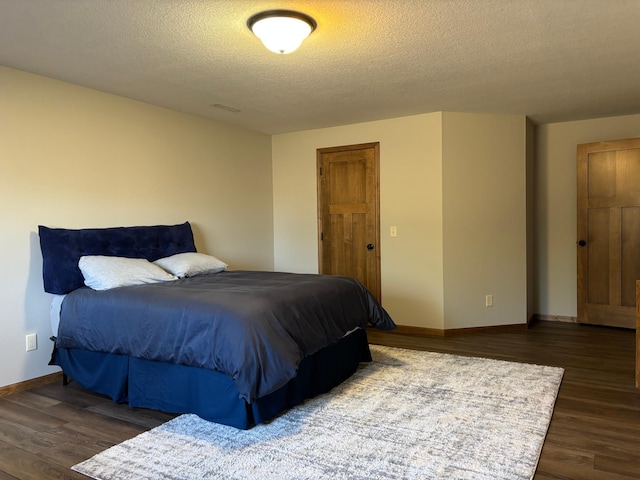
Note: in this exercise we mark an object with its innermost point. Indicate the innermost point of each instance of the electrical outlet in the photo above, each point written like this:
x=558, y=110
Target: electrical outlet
x=488, y=301
x=393, y=231
x=32, y=342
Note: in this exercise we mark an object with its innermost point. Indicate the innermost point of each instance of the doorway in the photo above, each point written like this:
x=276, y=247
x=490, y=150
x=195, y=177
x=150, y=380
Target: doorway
x=349, y=213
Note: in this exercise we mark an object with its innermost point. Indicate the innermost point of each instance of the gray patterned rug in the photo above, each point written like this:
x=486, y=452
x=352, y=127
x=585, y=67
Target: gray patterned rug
x=407, y=415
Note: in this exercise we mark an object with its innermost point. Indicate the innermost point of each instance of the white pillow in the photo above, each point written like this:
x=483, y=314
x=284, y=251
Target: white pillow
x=190, y=264
x=103, y=272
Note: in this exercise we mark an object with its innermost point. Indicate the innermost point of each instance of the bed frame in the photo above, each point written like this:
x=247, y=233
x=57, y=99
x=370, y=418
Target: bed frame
x=171, y=387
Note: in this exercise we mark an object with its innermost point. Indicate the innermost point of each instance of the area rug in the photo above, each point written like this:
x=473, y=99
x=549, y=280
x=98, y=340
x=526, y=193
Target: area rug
x=406, y=415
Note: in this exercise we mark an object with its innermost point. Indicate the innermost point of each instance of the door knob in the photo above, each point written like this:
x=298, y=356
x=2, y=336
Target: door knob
x=370, y=246
x=582, y=243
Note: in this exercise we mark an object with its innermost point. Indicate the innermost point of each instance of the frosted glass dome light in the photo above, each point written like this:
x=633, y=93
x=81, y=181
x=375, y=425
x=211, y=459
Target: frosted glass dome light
x=281, y=31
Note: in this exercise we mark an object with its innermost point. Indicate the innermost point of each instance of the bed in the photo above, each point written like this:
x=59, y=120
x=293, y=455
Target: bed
x=234, y=347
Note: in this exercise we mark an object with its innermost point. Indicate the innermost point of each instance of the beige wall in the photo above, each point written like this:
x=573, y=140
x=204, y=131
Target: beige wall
x=454, y=185
x=410, y=198
x=73, y=157
x=556, y=290
x=531, y=218
x=484, y=215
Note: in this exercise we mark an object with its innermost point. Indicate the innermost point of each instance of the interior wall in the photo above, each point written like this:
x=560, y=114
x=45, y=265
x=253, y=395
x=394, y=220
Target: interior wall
x=74, y=157
x=410, y=198
x=531, y=218
x=484, y=215
x=556, y=214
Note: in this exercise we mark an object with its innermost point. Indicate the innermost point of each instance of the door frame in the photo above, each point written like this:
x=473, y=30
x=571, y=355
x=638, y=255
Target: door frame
x=376, y=153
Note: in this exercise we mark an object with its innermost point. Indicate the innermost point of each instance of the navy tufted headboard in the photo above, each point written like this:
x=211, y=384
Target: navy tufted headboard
x=62, y=249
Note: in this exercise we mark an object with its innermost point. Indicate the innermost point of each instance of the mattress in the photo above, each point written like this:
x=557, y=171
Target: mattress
x=54, y=313
x=256, y=327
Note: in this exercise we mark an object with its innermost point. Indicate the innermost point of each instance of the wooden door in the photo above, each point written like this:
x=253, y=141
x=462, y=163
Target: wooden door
x=608, y=232
x=637, y=333
x=348, y=213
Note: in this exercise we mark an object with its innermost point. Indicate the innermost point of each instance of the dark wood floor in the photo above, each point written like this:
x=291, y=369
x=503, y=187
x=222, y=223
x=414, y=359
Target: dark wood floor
x=595, y=429
x=594, y=433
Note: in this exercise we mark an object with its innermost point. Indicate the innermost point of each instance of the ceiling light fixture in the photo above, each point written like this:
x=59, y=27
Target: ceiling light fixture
x=281, y=31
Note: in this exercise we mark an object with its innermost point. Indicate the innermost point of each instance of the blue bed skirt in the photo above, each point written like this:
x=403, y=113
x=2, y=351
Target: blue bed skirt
x=209, y=394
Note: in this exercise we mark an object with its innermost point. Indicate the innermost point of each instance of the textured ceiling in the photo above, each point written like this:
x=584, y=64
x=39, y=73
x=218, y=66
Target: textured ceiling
x=552, y=60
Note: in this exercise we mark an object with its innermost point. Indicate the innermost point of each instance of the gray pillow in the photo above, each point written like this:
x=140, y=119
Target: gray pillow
x=191, y=264
x=103, y=272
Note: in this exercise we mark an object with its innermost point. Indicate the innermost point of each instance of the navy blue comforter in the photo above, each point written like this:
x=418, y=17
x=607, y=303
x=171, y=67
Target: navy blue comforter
x=255, y=327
